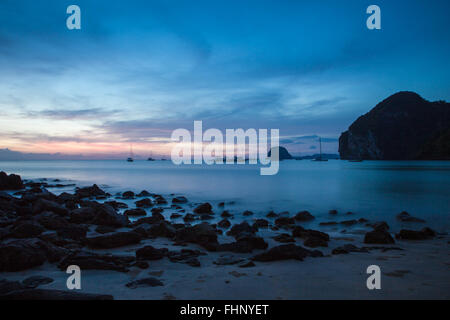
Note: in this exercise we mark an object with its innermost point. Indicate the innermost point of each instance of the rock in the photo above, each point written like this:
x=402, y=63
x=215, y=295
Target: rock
x=314, y=242
x=304, y=216
x=260, y=223
x=160, y=199
x=226, y=214
x=92, y=261
x=52, y=221
x=135, y=212
x=248, y=264
x=224, y=224
x=141, y=264
x=380, y=226
x=144, y=203
x=329, y=223
x=7, y=286
x=203, y=234
x=104, y=229
x=189, y=217
x=349, y=223
x=271, y=214
x=406, y=217
x=420, y=128
x=226, y=260
x=36, y=281
x=283, y=154
x=221, y=204
x=347, y=248
x=42, y=205
x=128, y=195
x=144, y=193
x=240, y=228
x=73, y=231
x=151, y=253
x=10, y=182
x=44, y=294
x=82, y=215
x=300, y=232
x=175, y=216
x=162, y=229
x=284, y=238
x=247, y=213
x=105, y=215
x=116, y=205
x=146, y=282
x=88, y=192
x=245, y=243
x=150, y=220
x=113, y=240
x=378, y=237
x=286, y=252
x=26, y=229
x=20, y=255
x=186, y=256
x=204, y=208
x=284, y=221
x=333, y=212
x=424, y=234
x=180, y=200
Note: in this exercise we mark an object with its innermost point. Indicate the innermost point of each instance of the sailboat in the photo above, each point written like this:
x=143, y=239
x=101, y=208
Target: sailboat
x=130, y=158
x=320, y=157
x=150, y=158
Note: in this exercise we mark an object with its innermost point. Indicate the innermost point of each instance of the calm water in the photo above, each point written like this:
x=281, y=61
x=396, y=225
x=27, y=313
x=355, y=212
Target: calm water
x=376, y=190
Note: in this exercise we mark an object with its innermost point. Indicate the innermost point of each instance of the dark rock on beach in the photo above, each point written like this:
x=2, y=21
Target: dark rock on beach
x=144, y=203
x=10, y=182
x=36, y=281
x=135, y=212
x=304, y=216
x=113, y=240
x=20, y=255
x=378, y=237
x=204, y=208
x=286, y=252
x=202, y=234
x=93, y=261
x=151, y=253
x=424, y=234
x=406, y=217
x=146, y=282
x=347, y=248
x=180, y=199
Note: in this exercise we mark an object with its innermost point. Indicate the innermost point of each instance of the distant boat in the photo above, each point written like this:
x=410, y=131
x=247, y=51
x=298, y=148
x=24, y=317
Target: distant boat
x=150, y=158
x=320, y=156
x=130, y=158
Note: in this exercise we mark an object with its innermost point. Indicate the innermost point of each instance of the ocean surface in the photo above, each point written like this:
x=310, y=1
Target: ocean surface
x=375, y=190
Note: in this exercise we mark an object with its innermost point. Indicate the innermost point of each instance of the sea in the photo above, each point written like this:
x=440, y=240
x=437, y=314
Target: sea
x=374, y=190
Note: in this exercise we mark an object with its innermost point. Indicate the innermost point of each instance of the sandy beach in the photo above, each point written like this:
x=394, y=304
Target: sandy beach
x=186, y=257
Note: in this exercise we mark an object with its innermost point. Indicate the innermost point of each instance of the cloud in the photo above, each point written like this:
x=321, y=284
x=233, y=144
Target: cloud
x=85, y=114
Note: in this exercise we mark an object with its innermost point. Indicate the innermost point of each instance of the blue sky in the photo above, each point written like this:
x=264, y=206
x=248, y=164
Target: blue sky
x=139, y=69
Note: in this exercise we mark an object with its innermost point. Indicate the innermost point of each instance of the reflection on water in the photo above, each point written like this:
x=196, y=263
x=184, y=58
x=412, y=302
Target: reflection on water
x=372, y=189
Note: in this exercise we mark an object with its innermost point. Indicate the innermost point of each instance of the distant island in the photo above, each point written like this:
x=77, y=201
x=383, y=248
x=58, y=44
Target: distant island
x=285, y=155
x=402, y=127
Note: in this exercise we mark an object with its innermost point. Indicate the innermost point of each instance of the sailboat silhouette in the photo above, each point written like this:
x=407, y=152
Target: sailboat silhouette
x=320, y=156
x=130, y=158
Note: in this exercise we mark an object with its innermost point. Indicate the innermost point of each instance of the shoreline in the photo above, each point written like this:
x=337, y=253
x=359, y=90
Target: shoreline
x=196, y=259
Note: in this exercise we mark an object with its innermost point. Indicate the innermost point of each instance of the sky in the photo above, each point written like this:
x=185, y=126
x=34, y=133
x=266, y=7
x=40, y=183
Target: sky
x=137, y=70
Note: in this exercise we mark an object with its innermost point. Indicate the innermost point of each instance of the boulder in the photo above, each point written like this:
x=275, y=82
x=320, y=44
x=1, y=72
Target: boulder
x=180, y=199
x=224, y=224
x=284, y=238
x=27, y=229
x=286, y=252
x=135, y=212
x=145, y=282
x=150, y=253
x=204, y=208
x=304, y=216
x=128, y=195
x=113, y=240
x=144, y=203
x=203, y=234
x=284, y=221
x=36, y=281
x=378, y=237
x=406, y=217
x=89, y=192
x=10, y=182
x=347, y=248
x=424, y=234
x=20, y=255
x=243, y=227
x=93, y=261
